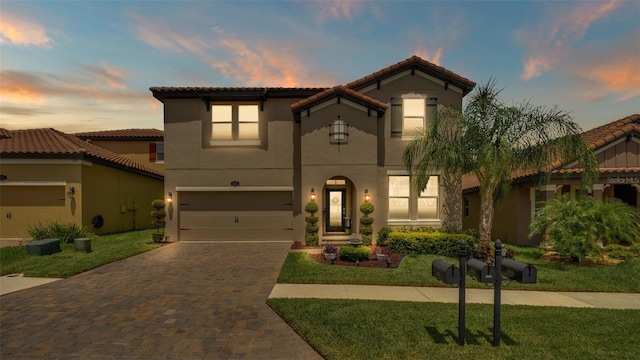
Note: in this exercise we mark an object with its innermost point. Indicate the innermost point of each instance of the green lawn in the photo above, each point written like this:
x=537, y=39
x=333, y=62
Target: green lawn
x=415, y=270
x=105, y=249
x=358, y=329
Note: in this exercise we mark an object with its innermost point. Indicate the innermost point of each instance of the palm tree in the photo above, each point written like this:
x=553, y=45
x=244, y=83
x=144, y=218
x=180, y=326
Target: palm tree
x=494, y=141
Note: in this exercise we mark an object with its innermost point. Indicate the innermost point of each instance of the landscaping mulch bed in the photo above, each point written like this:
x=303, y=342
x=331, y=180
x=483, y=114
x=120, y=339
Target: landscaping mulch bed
x=372, y=262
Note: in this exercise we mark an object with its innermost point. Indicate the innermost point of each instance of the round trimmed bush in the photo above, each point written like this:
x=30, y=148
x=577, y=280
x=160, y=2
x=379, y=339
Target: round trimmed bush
x=311, y=207
x=366, y=208
x=354, y=253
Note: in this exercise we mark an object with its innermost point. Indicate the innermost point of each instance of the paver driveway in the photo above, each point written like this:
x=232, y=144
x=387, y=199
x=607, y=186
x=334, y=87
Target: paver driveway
x=182, y=301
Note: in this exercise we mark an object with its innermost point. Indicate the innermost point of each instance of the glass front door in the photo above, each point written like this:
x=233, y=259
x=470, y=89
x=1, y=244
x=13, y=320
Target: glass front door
x=336, y=210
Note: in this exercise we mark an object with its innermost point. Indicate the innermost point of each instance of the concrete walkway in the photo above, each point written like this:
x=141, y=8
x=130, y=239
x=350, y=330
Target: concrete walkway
x=450, y=295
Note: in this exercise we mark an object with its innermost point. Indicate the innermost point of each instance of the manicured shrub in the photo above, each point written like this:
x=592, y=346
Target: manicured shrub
x=430, y=243
x=383, y=234
x=366, y=230
x=157, y=215
x=635, y=250
x=615, y=247
x=311, y=229
x=354, y=253
x=66, y=233
x=621, y=254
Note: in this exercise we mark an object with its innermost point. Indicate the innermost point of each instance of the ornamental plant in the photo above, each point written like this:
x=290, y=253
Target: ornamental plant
x=157, y=215
x=311, y=229
x=366, y=230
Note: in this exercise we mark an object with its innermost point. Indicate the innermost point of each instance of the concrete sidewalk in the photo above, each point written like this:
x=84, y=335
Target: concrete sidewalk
x=16, y=282
x=450, y=295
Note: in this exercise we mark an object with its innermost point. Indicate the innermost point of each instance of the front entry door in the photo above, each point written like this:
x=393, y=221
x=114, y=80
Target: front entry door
x=336, y=210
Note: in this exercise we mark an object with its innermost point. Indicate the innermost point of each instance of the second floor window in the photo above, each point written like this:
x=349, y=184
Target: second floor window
x=235, y=123
x=410, y=114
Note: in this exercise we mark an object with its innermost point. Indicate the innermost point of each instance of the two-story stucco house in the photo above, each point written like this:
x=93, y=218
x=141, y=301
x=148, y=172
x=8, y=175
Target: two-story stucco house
x=241, y=163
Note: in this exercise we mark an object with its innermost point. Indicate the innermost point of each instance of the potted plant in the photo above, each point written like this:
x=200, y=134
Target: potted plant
x=330, y=253
x=311, y=229
x=355, y=240
x=158, y=214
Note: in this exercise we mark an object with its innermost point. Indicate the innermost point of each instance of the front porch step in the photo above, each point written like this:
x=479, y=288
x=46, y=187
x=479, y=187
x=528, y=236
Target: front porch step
x=336, y=239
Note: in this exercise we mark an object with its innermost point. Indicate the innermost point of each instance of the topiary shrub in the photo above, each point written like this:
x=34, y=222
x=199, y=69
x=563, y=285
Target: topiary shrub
x=354, y=253
x=430, y=243
x=311, y=229
x=157, y=215
x=66, y=233
x=366, y=230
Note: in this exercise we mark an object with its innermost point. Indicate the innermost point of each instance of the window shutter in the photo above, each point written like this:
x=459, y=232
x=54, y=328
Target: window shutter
x=396, y=117
x=152, y=152
x=432, y=110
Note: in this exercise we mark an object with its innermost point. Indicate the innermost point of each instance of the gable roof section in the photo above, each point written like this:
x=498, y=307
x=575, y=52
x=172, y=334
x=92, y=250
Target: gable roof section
x=415, y=63
x=339, y=91
x=123, y=135
x=595, y=138
x=50, y=143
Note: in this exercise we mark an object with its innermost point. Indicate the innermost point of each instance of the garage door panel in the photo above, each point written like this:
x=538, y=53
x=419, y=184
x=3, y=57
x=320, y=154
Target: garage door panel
x=236, y=201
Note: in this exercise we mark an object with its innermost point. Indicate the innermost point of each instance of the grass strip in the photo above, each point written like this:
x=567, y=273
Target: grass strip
x=105, y=249
x=415, y=270
x=359, y=329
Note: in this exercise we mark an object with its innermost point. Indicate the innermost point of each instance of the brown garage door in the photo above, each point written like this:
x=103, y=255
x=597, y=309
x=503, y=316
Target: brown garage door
x=235, y=215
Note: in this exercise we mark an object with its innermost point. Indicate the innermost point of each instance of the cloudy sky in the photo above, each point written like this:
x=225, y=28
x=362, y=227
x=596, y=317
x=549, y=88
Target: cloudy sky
x=88, y=65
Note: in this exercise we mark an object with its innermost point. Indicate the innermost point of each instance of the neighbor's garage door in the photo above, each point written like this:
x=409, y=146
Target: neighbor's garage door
x=236, y=215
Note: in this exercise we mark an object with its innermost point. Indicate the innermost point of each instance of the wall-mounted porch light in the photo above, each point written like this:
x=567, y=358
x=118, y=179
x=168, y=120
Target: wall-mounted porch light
x=170, y=197
x=312, y=195
x=367, y=197
x=71, y=192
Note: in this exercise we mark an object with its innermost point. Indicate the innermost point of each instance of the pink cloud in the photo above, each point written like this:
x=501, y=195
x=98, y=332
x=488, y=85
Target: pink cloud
x=335, y=9
x=552, y=42
x=112, y=76
x=431, y=57
x=22, y=32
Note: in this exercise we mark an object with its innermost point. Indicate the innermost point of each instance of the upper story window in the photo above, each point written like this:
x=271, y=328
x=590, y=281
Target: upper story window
x=410, y=114
x=406, y=204
x=156, y=152
x=235, y=125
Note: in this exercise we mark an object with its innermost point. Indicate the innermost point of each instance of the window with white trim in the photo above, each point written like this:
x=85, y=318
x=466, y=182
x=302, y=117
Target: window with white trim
x=406, y=204
x=235, y=125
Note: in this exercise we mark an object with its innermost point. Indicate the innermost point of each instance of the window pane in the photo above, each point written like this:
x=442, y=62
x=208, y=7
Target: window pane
x=398, y=208
x=427, y=208
x=221, y=113
x=248, y=131
x=432, y=187
x=221, y=131
x=411, y=125
x=399, y=186
x=413, y=107
x=248, y=113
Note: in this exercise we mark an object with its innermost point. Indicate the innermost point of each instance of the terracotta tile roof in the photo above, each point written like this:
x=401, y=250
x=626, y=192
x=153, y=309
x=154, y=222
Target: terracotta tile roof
x=595, y=139
x=4, y=133
x=124, y=134
x=417, y=63
x=166, y=92
x=43, y=143
x=339, y=90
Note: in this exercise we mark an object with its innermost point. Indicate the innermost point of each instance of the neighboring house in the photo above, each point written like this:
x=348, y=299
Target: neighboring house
x=617, y=148
x=241, y=163
x=47, y=175
x=145, y=146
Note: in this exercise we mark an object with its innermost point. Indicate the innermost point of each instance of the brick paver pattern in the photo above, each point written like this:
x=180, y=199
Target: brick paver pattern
x=182, y=301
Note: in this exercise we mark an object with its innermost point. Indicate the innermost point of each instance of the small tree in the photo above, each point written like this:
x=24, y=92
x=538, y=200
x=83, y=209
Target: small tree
x=311, y=229
x=575, y=227
x=157, y=215
x=366, y=230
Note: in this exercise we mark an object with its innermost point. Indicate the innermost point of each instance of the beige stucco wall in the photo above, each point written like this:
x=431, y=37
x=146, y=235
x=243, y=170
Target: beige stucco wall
x=137, y=151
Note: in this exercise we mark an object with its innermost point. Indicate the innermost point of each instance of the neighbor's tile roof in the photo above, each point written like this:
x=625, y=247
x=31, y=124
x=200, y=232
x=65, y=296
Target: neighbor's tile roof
x=339, y=90
x=231, y=93
x=595, y=139
x=42, y=143
x=124, y=134
x=418, y=63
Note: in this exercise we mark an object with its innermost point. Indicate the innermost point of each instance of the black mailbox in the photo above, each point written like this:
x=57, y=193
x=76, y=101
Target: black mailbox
x=520, y=272
x=445, y=272
x=481, y=271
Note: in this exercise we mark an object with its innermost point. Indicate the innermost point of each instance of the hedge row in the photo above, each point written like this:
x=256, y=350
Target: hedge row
x=430, y=243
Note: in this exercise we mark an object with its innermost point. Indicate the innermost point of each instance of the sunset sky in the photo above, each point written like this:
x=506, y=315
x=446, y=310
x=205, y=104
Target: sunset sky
x=88, y=65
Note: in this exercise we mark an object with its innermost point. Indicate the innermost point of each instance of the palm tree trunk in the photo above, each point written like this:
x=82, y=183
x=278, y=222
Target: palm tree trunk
x=486, y=222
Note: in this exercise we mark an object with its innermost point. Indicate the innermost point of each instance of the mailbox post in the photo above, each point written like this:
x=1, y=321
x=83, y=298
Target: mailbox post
x=462, y=256
x=497, y=296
